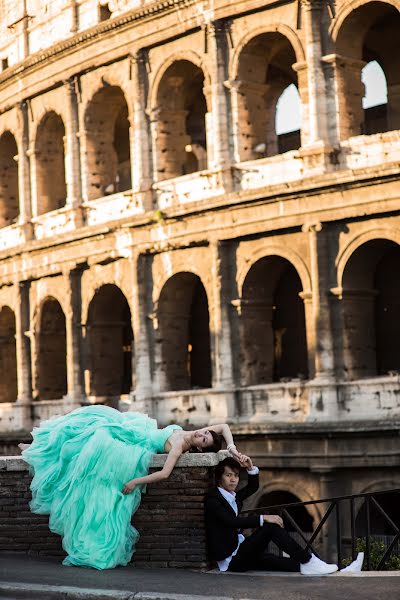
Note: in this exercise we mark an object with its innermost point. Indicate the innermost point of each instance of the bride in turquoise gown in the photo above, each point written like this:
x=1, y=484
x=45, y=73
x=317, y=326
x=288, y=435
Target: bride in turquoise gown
x=89, y=469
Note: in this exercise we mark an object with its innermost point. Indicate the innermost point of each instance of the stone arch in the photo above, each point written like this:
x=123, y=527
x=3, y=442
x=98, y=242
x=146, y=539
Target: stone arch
x=183, y=334
x=110, y=344
x=187, y=55
x=392, y=235
x=179, y=120
x=51, y=351
x=107, y=142
x=363, y=32
x=8, y=356
x=389, y=502
x=272, y=323
x=370, y=303
x=263, y=251
x=9, y=194
x=263, y=69
x=50, y=163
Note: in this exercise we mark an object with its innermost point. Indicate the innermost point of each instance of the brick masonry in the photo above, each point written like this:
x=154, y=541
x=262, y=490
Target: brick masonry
x=170, y=519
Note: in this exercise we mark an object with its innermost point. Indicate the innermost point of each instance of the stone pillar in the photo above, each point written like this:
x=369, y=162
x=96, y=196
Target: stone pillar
x=24, y=183
x=320, y=269
x=250, y=120
x=75, y=383
x=349, y=92
x=72, y=151
x=141, y=324
x=140, y=134
x=218, y=146
x=327, y=489
x=23, y=349
x=309, y=314
x=221, y=329
x=394, y=106
x=315, y=111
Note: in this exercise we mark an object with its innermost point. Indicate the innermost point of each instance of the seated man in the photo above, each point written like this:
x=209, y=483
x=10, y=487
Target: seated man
x=230, y=549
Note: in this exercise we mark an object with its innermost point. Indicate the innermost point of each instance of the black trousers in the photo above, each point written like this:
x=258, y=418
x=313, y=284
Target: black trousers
x=252, y=552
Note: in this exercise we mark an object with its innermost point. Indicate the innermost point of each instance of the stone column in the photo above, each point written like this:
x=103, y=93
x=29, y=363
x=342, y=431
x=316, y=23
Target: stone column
x=394, y=106
x=316, y=108
x=140, y=134
x=221, y=329
x=75, y=383
x=218, y=143
x=24, y=183
x=327, y=489
x=23, y=350
x=348, y=93
x=250, y=120
x=72, y=151
x=323, y=389
x=141, y=324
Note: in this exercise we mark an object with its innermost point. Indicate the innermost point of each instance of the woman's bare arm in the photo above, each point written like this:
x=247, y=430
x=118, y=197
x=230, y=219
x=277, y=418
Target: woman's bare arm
x=224, y=430
x=173, y=456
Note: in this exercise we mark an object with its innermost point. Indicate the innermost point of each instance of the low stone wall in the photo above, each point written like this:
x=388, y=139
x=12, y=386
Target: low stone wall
x=170, y=519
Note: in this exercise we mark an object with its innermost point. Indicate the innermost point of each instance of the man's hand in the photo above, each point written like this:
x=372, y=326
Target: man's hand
x=273, y=519
x=246, y=462
x=129, y=487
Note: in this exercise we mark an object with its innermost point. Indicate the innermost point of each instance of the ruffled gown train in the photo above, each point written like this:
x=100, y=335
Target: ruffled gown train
x=80, y=463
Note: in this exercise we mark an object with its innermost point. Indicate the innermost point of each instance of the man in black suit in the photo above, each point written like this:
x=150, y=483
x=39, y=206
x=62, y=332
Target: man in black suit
x=230, y=549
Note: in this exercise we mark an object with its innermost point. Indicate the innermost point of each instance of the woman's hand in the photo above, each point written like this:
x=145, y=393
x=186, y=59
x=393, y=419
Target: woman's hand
x=129, y=487
x=236, y=454
x=246, y=462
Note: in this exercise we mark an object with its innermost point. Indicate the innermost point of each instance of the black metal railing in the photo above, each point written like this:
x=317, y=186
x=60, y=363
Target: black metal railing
x=335, y=517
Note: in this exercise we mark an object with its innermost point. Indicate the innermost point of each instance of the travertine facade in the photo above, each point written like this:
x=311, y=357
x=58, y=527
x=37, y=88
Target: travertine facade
x=163, y=248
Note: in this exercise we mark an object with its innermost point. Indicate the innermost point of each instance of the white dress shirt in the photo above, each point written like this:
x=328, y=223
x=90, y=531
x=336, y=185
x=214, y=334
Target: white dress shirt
x=230, y=497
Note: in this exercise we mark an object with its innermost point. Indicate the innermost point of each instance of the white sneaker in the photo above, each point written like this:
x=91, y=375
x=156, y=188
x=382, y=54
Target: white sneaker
x=356, y=565
x=315, y=566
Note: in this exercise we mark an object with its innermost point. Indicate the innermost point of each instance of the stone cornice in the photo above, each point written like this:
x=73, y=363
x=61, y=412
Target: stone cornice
x=92, y=33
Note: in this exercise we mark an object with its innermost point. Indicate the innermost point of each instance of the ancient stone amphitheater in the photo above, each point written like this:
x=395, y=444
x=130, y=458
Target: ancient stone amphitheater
x=165, y=248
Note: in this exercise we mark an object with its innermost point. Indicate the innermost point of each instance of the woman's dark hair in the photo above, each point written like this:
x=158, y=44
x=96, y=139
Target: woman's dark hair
x=215, y=446
x=220, y=468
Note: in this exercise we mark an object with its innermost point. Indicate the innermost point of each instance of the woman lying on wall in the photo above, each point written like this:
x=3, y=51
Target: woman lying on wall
x=89, y=470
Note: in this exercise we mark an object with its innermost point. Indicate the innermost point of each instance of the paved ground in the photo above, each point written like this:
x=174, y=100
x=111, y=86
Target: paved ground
x=22, y=577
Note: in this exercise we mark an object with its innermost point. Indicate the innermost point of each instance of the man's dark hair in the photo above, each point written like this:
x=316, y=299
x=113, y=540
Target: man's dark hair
x=215, y=446
x=220, y=468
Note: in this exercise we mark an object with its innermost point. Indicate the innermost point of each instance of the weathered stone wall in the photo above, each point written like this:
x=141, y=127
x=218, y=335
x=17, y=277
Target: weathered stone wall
x=170, y=518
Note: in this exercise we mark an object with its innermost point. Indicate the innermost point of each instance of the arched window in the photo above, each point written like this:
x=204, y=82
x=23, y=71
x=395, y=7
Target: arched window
x=375, y=99
x=273, y=334
x=110, y=343
x=181, y=121
x=50, y=164
x=288, y=119
x=9, y=201
x=183, y=319
x=52, y=355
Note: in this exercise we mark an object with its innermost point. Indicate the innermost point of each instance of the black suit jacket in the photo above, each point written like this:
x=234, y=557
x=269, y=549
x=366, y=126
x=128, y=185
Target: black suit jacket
x=221, y=522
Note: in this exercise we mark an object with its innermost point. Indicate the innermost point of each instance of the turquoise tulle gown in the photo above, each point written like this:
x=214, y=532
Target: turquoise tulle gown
x=80, y=463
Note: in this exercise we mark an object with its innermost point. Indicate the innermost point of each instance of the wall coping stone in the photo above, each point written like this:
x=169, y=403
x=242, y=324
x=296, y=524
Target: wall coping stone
x=206, y=459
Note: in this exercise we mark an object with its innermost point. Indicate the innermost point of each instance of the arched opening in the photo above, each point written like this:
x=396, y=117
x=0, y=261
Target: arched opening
x=50, y=164
x=369, y=35
x=110, y=343
x=265, y=72
x=8, y=356
x=288, y=119
x=371, y=302
x=107, y=143
x=379, y=526
x=52, y=352
x=375, y=99
x=181, y=141
x=273, y=345
x=298, y=513
x=184, y=333
x=9, y=201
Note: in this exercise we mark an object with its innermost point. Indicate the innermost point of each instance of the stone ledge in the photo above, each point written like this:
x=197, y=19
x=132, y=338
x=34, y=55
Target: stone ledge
x=206, y=459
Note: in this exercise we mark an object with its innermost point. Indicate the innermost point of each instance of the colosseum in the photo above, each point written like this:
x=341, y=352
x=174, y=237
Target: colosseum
x=165, y=247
